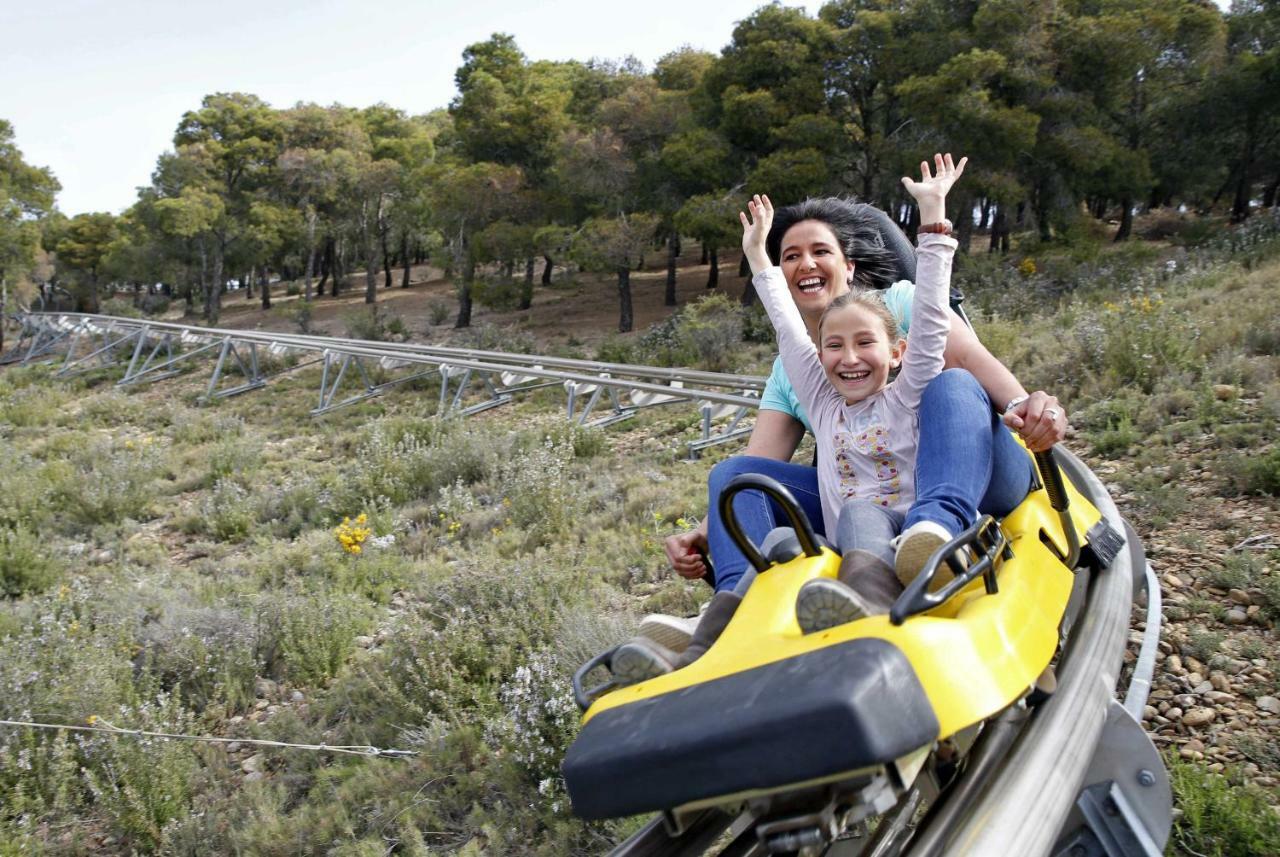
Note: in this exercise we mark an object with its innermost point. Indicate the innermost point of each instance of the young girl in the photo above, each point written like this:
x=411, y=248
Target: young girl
x=866, y=427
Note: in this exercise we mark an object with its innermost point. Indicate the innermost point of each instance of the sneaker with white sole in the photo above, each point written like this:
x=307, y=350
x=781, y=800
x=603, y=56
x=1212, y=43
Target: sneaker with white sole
x=914, y=547
x=825, y=603
x=672, y=632
x=640, y=659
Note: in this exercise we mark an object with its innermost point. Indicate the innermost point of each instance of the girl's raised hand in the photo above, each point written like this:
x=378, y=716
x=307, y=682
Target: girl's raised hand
x=930, y=193
x=755, y=229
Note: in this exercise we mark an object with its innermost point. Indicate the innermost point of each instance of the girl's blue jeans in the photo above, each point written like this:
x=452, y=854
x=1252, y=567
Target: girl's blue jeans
x=967, y=464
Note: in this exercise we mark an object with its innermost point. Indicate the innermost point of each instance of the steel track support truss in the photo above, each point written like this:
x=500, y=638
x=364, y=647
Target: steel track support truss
x=248, y=368
x=732, y=431
x=453, y=405
x=576, y=390
x=34, y=340
x=105, y=354
x=331, y=380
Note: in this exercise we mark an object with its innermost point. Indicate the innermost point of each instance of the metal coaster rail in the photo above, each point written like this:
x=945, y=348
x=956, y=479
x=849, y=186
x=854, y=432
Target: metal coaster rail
x=153, y=357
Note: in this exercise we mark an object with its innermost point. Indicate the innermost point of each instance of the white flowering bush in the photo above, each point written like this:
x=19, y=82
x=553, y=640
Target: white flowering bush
x=538, y=719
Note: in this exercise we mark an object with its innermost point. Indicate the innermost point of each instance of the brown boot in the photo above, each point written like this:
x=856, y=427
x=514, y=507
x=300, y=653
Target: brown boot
x=640, y=658
x=867, y=586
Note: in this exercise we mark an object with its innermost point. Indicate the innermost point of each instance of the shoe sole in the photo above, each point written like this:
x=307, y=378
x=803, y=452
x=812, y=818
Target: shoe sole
x=633, y=663
x=823, y=604
x=668, y=631
x=914, y=554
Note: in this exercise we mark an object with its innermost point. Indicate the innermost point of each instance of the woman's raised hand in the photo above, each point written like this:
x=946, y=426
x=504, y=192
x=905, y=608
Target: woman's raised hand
x=755, y=229
x=930, y=193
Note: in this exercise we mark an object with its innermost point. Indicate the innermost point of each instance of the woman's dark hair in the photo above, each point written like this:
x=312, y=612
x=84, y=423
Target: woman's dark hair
x=858, y=231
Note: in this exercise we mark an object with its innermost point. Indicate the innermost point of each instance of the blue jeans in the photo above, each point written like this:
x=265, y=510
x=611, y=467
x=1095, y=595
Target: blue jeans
x=967, y=464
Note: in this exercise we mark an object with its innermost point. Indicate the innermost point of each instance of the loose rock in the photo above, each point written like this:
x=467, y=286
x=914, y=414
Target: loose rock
x=1199, y=717
x=1269, y=704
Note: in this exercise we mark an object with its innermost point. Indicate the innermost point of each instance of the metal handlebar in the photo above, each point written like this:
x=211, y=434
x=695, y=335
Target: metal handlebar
x=799, y=521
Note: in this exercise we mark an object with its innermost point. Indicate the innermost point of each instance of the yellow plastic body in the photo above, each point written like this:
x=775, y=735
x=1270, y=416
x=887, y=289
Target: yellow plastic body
x=975, y=655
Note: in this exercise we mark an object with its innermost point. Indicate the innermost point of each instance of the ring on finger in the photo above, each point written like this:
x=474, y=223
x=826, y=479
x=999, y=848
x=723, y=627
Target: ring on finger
x=1052, y=413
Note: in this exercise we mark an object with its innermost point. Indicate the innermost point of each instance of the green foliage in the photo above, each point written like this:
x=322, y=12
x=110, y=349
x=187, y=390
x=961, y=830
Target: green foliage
x=26, y=564
x=402, y=461
x=1203, y=645
x=710, y=331
x=1256, y=474
x=497, y=293
x=315, y=635
x=1220, y=816
x=108, y=482
x=375, y=325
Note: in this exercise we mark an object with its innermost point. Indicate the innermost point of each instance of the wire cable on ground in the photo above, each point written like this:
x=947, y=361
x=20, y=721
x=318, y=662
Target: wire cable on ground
x=109, y=729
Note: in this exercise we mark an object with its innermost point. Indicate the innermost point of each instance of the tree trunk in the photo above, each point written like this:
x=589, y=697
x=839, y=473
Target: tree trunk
x=986, y=214
x=509, y=270
x=1269, y=194
x=248, y=283
x=213, y=307
x=706, y=259
x=265, y=286
x=386, y=259
x=625, y=318
x=404, y=253
x=713, y=274
x=546, y=272
x=964, y=224
x=749, y=296
x=673, y=254
x=997, y=227
x=1126, y=218
x=526, y=291
x=338, y=266
x=464, y=293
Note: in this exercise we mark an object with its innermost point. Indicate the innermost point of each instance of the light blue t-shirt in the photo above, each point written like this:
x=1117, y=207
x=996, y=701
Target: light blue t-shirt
x=778, y=394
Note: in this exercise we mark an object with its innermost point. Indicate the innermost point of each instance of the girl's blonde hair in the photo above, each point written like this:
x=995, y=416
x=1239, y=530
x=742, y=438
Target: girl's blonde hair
x=871, y=300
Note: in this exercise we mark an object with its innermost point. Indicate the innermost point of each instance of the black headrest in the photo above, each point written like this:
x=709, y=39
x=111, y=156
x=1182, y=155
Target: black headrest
x=893, y=240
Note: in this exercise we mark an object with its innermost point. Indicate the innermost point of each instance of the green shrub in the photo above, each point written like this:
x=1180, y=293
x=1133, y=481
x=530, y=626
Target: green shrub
x=1203, y=645
x=497, y=293
x=1238, y=571
x=1221, y=817
x=26, y=564
x=709, y=332
x=141, y=784
x=205, y=655
x=398, y=465
x=1256, y=474
x=313, y=635
x=374, y=325
x=228, y=512
x=438, y=311
x=109, y=481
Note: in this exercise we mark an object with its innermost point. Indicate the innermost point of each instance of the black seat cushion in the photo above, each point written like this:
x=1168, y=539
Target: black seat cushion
x=848, y=706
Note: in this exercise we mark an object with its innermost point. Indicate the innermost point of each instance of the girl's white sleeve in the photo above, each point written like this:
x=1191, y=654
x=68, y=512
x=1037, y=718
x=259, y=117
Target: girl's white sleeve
x=799, y=356
x=930, y=320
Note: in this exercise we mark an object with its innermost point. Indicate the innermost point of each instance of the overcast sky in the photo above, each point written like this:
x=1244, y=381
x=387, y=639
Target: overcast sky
x=95, y=89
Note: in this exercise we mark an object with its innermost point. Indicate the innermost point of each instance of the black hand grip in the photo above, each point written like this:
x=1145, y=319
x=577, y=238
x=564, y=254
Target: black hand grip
x=1051, y=476
x=990, y=548
x=799, y=521
x=585, y=697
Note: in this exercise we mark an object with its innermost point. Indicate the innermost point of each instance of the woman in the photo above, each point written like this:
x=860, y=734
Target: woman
x=824, y=246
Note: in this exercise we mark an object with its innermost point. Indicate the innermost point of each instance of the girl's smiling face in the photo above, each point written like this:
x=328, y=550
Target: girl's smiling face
x=814, y=265
x=856, y=352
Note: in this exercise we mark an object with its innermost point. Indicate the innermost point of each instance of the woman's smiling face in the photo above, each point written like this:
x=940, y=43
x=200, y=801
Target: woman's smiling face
x=814, y=265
